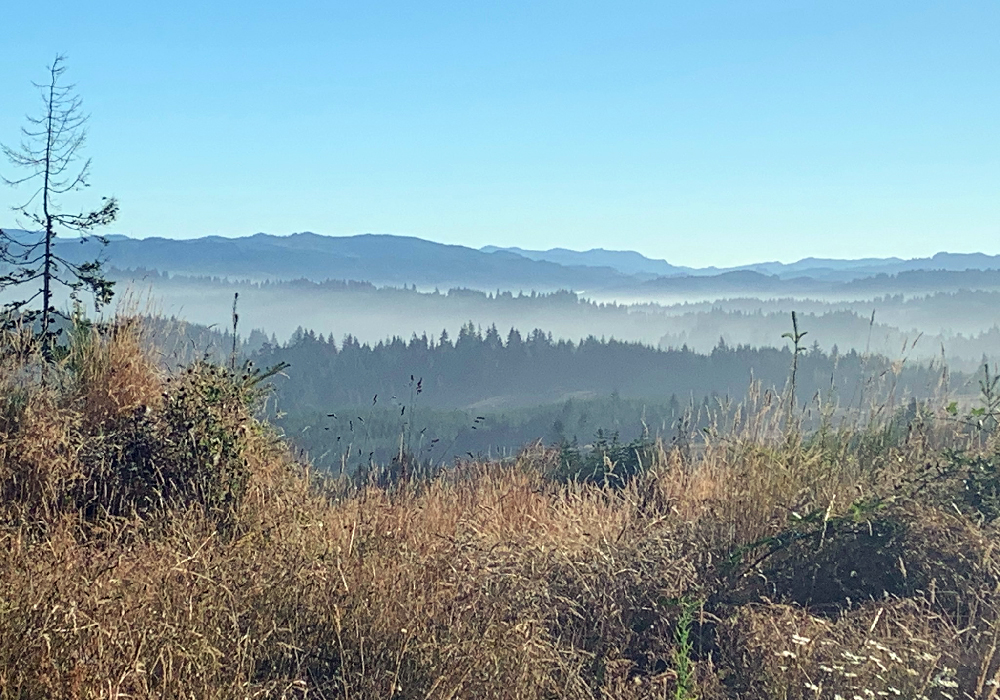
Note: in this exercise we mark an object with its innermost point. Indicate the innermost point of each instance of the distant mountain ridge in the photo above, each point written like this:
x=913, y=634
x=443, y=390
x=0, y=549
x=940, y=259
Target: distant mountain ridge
x=379, y=259
x=831, y=269
x=625, y=261
x=403, y=260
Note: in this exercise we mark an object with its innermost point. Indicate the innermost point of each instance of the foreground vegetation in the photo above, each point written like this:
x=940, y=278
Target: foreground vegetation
x=161, y=542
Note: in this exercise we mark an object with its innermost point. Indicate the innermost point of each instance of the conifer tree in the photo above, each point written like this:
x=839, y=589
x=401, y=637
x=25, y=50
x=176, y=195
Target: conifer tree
x=49, y=155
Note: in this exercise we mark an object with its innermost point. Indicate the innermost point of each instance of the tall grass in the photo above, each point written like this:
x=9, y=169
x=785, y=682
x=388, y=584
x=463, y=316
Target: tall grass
x=160, y=542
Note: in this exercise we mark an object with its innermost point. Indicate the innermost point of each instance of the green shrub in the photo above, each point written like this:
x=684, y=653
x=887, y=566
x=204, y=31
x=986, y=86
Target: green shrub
x=608, y=462
x=971, y=483
x=192, y=449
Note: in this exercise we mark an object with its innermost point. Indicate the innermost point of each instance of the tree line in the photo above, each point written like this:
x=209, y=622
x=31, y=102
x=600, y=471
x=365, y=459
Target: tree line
x=484, y=392
x=480, y=366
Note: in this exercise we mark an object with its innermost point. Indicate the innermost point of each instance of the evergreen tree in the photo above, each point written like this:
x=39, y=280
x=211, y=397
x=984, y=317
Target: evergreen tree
x=50, y=152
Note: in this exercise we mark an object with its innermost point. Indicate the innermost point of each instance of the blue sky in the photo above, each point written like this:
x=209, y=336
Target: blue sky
x=700, y=132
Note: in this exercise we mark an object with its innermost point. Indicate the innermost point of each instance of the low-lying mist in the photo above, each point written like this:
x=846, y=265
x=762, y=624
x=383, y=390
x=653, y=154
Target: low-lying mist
x=960, y=326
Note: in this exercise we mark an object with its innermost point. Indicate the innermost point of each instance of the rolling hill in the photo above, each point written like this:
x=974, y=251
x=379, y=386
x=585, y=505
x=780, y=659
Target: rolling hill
x=406, y=261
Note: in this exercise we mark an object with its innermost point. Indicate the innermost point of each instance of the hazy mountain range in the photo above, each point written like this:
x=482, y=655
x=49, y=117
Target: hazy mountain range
x=402, y=260
x=633, y=263
x=286, y=282
x=379, y=259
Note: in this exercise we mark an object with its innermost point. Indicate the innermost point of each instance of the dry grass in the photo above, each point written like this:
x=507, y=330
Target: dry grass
x=159, y=542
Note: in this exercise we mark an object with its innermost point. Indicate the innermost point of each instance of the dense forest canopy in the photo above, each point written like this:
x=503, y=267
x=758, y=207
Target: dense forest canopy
x=483, y=391
x=487, y=392
x=485, y=368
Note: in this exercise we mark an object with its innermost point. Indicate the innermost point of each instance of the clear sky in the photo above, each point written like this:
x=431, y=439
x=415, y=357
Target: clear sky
x=702, y=132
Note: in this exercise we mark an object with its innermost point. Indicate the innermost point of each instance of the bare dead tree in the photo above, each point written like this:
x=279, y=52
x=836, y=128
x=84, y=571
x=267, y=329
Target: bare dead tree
x=49, y=151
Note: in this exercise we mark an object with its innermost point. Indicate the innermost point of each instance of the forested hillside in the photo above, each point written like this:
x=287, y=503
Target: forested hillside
x=482, y=393
x=486, y=369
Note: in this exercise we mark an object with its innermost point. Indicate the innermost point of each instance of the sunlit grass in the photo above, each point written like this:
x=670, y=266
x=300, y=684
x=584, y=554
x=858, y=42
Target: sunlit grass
x=160, y=542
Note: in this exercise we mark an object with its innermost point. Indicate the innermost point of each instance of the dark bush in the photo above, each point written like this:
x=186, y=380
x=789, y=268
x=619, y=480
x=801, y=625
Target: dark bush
x=608, y=462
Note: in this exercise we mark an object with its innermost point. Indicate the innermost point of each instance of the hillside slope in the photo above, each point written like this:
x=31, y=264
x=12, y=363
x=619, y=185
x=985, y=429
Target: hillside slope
x=160, y=543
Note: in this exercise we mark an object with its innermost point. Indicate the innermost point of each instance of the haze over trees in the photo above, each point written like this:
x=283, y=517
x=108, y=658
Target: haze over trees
x=959, y=320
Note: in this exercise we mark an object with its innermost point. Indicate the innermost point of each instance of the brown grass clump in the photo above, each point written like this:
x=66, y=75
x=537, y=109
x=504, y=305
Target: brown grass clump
x=160, y=542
